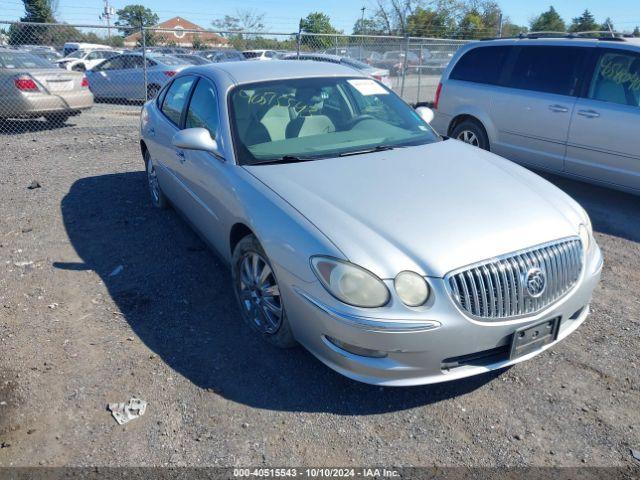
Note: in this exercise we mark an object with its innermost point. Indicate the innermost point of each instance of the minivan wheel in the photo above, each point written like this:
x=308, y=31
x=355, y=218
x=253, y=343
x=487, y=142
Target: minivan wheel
x=158, y=198
x=471, y=132
x=258, y=294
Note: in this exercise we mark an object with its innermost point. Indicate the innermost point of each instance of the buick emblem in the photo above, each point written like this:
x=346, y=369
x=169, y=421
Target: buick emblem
x=535, y=282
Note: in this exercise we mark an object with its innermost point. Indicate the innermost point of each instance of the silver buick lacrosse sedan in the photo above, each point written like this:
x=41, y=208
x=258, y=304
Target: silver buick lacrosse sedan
x=393, y=255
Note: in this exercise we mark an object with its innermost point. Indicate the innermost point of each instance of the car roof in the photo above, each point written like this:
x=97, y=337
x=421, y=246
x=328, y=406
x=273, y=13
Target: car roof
x=562, y=40
x=235, y=73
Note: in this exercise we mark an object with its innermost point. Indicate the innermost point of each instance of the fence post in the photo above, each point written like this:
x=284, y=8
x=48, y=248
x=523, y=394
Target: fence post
x=335, y=42
x=144, y=61
x=404, y=64
x=299, y=40
x=419, y=74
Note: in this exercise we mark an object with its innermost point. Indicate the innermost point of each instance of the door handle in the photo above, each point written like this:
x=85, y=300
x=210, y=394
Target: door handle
x=558, y=108
x=180, y=155
x=152, y=131
x=588, y=113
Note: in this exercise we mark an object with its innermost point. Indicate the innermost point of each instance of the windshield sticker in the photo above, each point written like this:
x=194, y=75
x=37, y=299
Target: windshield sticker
x=613, y=68
x=367, y=87
x=270, y=99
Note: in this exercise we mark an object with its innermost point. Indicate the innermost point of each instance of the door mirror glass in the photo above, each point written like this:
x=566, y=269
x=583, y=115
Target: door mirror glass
x=425, y=113
x=196, y=139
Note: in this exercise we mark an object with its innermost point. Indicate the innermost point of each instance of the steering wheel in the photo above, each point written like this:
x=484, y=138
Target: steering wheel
x=356, y=120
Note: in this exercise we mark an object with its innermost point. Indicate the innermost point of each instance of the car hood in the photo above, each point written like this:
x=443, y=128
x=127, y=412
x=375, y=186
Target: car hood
x=430, y=209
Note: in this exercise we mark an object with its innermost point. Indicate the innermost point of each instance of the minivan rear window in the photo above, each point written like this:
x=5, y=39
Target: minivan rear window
x=551, y=69
x=481, y=65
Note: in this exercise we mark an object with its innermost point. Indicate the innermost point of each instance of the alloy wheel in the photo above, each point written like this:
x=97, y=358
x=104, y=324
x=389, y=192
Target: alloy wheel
x=467, y=136
x=152, y=179
x=259, y=293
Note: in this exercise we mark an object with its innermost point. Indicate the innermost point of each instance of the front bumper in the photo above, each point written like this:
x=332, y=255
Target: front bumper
x=430, y=344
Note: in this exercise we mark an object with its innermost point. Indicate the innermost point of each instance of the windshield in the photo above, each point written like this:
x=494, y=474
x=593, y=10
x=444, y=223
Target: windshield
x=13, y=60
x=77, y=54
x=313, y=118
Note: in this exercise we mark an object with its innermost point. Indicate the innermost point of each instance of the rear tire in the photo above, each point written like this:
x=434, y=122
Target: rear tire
x=158, y=198
x=152, y=91
x=471, y=132
x=258, y=294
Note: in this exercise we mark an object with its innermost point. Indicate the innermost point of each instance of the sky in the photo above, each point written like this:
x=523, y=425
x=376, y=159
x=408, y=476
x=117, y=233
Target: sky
x=283, y=15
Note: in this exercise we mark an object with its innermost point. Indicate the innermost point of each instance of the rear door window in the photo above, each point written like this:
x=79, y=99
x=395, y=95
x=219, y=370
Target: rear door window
x=203, y=109
x=481, y=65
x=617, y=78
x=176, y=98
x=549, y=69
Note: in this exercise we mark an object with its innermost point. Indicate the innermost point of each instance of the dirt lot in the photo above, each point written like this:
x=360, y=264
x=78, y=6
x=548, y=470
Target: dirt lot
x=76, y=335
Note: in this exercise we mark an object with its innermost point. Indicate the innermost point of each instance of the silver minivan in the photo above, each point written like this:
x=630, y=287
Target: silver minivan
x=567, y=105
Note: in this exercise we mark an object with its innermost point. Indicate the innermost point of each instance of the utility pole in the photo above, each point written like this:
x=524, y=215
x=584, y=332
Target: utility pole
x=500, y=26
x=362, y=33
x=107, y=13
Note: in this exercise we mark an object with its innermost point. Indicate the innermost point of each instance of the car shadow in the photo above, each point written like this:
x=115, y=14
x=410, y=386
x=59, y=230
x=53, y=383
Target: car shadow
x=16, y=127
x=176, y=295
x=612, y=212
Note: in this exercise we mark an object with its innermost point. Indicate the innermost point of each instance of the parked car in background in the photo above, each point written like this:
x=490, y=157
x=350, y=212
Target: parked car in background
x=435, y=61
x=394, y=61
x=567, y=105
x=222, y=55
x=166, y=50
x=82, y=60
x=394, y=256
x=192, y=59
x=32, y=87
x=122, y=77
x=379, y=74
x=50, y=56
x=260, y=54
x=71, y=47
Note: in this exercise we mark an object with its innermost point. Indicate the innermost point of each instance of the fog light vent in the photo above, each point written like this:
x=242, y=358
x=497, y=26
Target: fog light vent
x=354, y=350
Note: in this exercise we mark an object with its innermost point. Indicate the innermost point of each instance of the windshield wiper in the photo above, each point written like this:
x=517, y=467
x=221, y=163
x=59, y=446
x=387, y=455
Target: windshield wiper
x=283, y=159
x=379, y=148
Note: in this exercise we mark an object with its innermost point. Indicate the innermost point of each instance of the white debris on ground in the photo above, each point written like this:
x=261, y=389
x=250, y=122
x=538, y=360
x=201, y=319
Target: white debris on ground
x=125, y=412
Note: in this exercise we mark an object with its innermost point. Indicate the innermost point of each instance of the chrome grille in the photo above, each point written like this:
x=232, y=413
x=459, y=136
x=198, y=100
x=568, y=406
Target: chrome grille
x=497, y=289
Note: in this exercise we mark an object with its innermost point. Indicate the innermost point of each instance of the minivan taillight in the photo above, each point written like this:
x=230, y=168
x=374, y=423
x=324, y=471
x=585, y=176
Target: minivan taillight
x=85, y=82
x=26, y=84
x=436, y=100
x=170, y=73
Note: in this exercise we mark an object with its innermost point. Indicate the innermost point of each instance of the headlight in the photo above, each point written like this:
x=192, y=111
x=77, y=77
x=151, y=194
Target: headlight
x=411, y=288
x=585, y=236
x=349, y=283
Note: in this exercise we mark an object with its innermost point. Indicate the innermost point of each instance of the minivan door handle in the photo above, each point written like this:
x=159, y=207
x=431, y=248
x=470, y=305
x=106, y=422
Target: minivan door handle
x=180, y=155
x=588, y=113
x=558, y=108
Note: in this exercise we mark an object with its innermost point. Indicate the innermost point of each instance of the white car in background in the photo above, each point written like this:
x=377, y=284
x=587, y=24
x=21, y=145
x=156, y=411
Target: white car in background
x=260, y=54
x=83, y=60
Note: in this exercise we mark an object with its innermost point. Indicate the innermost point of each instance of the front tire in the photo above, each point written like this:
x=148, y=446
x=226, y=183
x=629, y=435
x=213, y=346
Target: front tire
x=258, y=294
x=471, y=132
x=158, y=198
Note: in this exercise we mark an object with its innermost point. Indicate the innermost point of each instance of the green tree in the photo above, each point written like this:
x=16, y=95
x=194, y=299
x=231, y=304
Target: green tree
x=428, y=22
x=133, y=17
x=549, y=21
x=197, y=43
x=636, y=32
x=471, y=25
x=317, y=22
x=36, y=11
x=584, y=23
x=366, y=26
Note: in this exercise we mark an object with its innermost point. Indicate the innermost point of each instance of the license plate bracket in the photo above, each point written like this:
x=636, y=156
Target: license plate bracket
x=533, y=337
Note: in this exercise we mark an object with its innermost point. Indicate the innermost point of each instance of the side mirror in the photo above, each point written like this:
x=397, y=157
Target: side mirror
x=425, y=113
x=196, y=139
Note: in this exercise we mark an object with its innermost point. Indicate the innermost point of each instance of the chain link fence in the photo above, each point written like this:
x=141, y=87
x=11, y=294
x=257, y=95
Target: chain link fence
x=52, y=75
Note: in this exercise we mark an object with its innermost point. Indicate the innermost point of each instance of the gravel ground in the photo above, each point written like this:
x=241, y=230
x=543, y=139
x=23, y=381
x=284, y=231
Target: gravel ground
x=75, y=336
